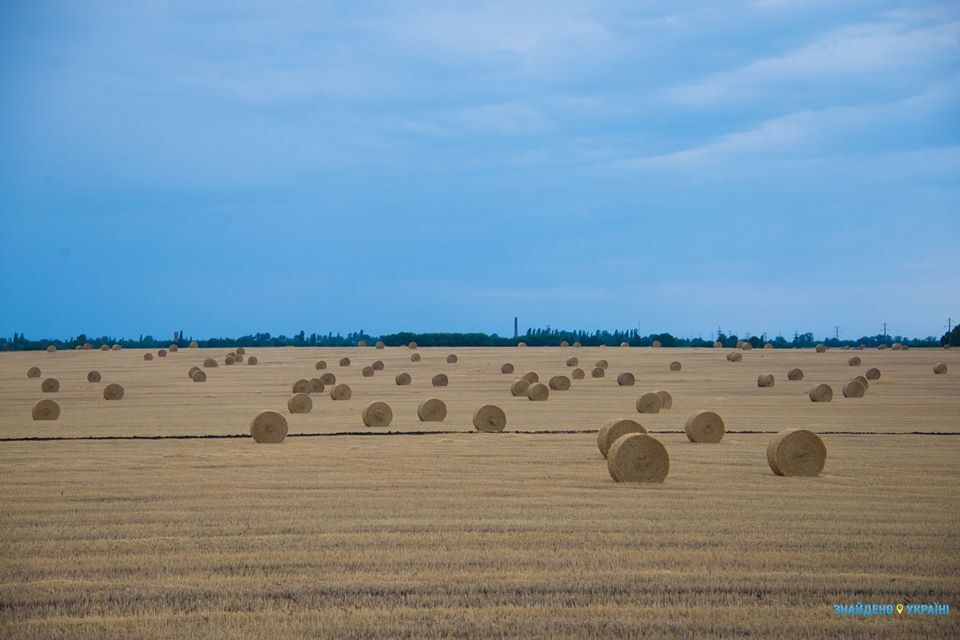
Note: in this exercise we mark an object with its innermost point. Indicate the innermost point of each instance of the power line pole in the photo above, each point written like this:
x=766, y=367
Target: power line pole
x=884, y=330
x=836, y=332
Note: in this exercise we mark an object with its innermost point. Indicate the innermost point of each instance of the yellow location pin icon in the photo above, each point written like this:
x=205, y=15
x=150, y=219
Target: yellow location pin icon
x=899, y=609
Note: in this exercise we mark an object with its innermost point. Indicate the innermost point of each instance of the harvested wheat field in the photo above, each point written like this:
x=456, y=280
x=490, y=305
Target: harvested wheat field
x=431, y=529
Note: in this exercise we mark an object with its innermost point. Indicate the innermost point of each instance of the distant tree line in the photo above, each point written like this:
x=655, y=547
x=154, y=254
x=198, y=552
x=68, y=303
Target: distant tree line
x=532, y=337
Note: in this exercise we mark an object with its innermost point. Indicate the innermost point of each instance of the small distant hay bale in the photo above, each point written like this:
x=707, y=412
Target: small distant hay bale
x=241, y=350
x=45, y=410
x=173, y=348
x=316, y=385
x=940, y=368
x=194, y=345
x=734, y=356
x=238, y=358
x=521, y=344
x=229, y=360
x=597, y=372
x=611, y=430
x=412, y=345
x=104, y=347
x=50, y=385
x=302, y=386
x=451, y=359
x=269, y=427
x=252, y=360
x=531, y=377
x=87, y=346
x=519, y=387
x=765, y=380
x=344, y=362
x=947, y=347
x=863, y=381
x=328, y=379
x=489, y=419
x=51, y=348
x=210, y=363
x=538, y=392
x=861, y=347
x=560, y=383
x=666, y=400
x=377, y=414
x=796, y=452
x=199, y=376
x=768, y=345
x=361, y=343
x=656, y=344
x=603, y=364
x=821, y=393
x=113, y=392
x=148, y=357
x=747, y=346
x=321, y=364
x=854, y=361
x=33, y=372
x=377, y=365
x=572, y=362
x=795, y=374
x=638, y=457
x=897, y=346
x=648, y=403
x=675, y=365
x=577, y=345
x=881, y=347
x=578, y=374
x=625, y=379
x=379, y=344
x=564, y=343
x=704, y=427
x=341, y=392
x=402, y=379
x=116, y=347
x=440, y=380
x=162, y=353
x=821, y=348
x=845, y=347
x=415, y=357
x=624, y=344
x=432, y=410
x=300, y=403
x=367, y=372
x=718, y=345
x=93, y=376
x=872, y=374
x=506, y=368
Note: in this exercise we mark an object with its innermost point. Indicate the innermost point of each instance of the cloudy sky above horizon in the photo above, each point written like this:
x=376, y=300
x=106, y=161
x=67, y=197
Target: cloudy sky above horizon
x=233, y=167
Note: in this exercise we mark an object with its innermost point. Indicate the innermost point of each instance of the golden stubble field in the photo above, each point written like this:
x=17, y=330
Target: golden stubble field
x=465, y=534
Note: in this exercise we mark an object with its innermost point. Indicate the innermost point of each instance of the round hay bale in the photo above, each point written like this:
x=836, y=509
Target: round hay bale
x=341, y=392
x=897, y=346
x=104, y=347
x=821, y=348
x=328, y=379
x=521, y=344
x=746, y=346
x=648, y=403
x=519, y=387
x=229, y=360
x=377, y=414
x=50, y=385
x=377, y=365
x=718, y=345
x=148, y=357
x=734, y=356
x=560, y=383
x=113, y=392
x=675, y=366
x=564, y=343
x=33, y=372
x=506, y=368
x=402, y=379
x=269, y=427
x=577, y=345
x=873, y=374
x=415, y=357
x=451, y=359
x=367, y=372
x=238, y=358
x=432, y=410
x=796, y=452
x=361, y=343
x=940, y=368
x=321, y=364
x=666, y=400
x=638, y=457
x=821, y=393
x=704, y=427
x=173, y=348
x=881, y=347
x=656, y=344
x=611, y=430
x=210, y=363
x=861, y=347
x=116, y=347
x=854, y=389
x=93, y=376
x=162, y=353
x=531, y=377
x=768, y=345
x=854, y=361
x=626, y=379
x=87, y=346
x=379, y=344
x=440, y=380
x=795, y=374
x=624, y=344
x=300, y=403
x=302, y=386
x=412, y=345
x=241, y=350
x=597, y=372
x=538, y=392
x=489, y=419
x=344, y=362
x=199, y=376
x=765, y=380
x=45, y=410
x=603, y=364
x=194, y=345
x=578, y=374
x=316, y=385
x=863, y=381
x=51, y=348
x=78, y=347
x=947, y=347
x=252, y=360
x=572, y=362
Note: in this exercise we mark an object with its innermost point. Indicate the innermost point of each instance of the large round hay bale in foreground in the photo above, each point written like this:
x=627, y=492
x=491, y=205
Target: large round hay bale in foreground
x=854, y=389
x=666, y=400
x=377, y=414
x=367, y=372
x=452, y=359
x=854, y=361
x=572, y=362
x=93, y=376
x=252, y=360
x=506, y=368
x=148, y=357
x=519, y=387
x=611, y=430
x=735, y=356
x=648, y=403
x=33, y=372
x=626, y=379
x=210, y=363
x=796, y=452
x=316, y=385
x=302, y=386
x=321, y=364
x=402, y=379
x=531, y=377
x=344, y=362
x=560, y=383
x=50, y=385
x=765, y=380
x=578, y=374
x=940, y=368
x=300, y=403
x=328, y=379
x=821, y=393
x=538, y=392
x=199, y=376
x=51, y=348
x=597, y=372
x=675, y=366
x=489, y=419
x=269, y=427
x=821, y=348
x=440, y=380
x=704, y=427
x=113, y=392
x=432, y=410
x=638, y=457
x=45, y=410
x=795, y=374
x=377, y=365
x=415, y=357
x=863, y=381
x=379, y=344
x=341, y=392
x=873, y=374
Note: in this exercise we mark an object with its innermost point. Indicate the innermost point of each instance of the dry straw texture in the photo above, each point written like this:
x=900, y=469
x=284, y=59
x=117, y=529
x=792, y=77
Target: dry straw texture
x=321, y=364
x=377, y=365
x=940, y=368
x=873, y=374
x=269, y=427
x=519, y=387
x=705, y=427
x=113, y=392
x=300, y=403
x=648, y=403
x=45, y=410
x=302, y=386
x=50, y=385
x=367, y=372
x=316, y=385
x=795, y=374
x=377, y=414
x=490, y=419
x=340, y=392
x=451, y=359
x=538, y=392
x=328, y=379
x=821, y=393
x=572, y=362
x=796, y=452
x=531, y=377
x=199, y=376
x=611, y=430
x=33, y=372
x=638, y=457
x=765, y=380
x=666, y=400
x=432, y=410
x=854, y=361
x=675, y=366
x=210, y=363
x=597, y=372
x=625, y=379
x=578, y=374
x=440, y=380
x=93, y=376
x=402, y=378
x=415, y=357
x=560, y=383
x=506, y=368
x=854, y=389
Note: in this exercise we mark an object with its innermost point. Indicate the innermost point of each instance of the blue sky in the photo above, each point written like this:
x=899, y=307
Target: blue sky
x=232, y=167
